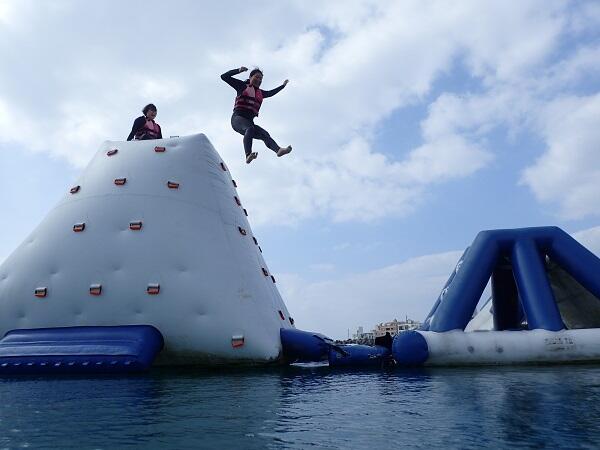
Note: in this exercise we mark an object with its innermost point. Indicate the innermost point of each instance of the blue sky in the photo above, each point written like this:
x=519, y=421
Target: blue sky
x=414, y=125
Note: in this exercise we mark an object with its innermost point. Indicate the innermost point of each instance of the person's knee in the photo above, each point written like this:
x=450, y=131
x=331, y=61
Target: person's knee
x=263, y=133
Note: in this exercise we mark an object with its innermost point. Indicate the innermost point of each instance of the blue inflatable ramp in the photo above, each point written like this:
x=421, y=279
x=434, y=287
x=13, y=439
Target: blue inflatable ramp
x=118, y=349
x=304, y=346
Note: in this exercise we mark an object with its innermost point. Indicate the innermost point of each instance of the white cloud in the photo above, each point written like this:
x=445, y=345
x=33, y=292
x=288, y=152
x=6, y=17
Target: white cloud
x=322, y=267
x=585, y=18
x=590, y=238
x=447, y=157
x=331, y=307
x=568, y=172
x=160, y=89
x=8, y=12
x=564, y=175
x=5, y=11
x=570, y=71
x=350, y=68
x=505, y=41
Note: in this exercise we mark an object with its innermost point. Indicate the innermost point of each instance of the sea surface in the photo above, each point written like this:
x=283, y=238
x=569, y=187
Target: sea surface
x=307, y=407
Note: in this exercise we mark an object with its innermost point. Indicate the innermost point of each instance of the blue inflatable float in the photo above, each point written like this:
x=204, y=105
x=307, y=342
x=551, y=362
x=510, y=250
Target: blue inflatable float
x=118, y=349
x=544, y=306
x=303, y=346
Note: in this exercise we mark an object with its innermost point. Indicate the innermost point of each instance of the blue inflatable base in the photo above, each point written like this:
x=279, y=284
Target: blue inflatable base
x=304, y=346
x=359, y=356
x=410, y=349
x=118, y=349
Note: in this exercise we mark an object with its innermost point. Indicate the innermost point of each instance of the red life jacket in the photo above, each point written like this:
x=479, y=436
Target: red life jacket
x=250, y=99
x=150, y=130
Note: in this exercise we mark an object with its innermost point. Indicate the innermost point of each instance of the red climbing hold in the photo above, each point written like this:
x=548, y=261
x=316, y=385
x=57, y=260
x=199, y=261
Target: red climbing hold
x=135, y=226
x=237, y=341
x=79, y=227
x=95, y=289
x=153, y=288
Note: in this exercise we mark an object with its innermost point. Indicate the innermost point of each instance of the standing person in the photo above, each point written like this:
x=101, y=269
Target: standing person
x=144, y=127
x=247, y=104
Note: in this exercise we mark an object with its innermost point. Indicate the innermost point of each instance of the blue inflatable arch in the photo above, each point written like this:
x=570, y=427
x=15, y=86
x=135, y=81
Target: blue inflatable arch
x=515, y=261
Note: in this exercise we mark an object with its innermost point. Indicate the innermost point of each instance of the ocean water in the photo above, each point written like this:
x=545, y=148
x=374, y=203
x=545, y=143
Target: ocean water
x=307, y=407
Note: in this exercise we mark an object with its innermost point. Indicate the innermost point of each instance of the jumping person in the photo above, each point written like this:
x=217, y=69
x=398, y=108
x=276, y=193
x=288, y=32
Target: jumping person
x=247, y=104
x=144, y=127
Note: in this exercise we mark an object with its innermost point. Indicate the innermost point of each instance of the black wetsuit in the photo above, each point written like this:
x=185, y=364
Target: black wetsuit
x=242, y=119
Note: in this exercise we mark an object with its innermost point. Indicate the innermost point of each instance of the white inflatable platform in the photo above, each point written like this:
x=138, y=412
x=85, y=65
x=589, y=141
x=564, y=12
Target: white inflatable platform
x=152, y=233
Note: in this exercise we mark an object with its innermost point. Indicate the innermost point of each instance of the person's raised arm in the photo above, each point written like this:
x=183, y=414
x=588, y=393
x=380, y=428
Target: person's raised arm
x=272, y=92
x=227, y=77
x=137, y=125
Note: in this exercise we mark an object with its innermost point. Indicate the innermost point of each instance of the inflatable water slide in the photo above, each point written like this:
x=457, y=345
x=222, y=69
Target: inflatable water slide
x=149, y=258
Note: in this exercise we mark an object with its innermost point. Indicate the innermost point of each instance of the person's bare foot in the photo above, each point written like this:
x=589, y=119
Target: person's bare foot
x=251, y=157
x=284, y=150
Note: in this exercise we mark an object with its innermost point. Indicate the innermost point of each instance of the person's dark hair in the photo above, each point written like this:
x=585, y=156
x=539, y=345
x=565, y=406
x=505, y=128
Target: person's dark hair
x=257, y=70
x=149, y=107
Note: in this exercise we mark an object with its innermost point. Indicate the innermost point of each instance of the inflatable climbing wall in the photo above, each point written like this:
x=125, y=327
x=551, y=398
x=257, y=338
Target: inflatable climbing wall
x=153, y=233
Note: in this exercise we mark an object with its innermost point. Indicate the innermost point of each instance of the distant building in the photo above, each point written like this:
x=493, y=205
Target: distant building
x=394, y=327
x=361, y=335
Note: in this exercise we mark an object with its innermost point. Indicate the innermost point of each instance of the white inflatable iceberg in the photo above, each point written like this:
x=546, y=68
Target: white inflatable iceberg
x=153, y=233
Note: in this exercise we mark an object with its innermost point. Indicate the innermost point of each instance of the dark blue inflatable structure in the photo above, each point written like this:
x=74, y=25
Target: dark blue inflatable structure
x=515, y=260
x=304, y=346
x=118, y=349
x=359, y=355
x=518, y=262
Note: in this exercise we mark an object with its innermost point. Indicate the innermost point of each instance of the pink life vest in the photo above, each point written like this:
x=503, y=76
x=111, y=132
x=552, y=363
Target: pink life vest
x=149, y=131
x=251, y=98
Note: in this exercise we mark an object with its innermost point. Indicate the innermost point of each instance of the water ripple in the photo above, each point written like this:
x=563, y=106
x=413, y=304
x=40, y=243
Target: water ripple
x=312, y=407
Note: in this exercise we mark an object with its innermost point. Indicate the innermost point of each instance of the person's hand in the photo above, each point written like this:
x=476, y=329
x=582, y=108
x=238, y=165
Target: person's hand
x=286, y=82
x=243, y=69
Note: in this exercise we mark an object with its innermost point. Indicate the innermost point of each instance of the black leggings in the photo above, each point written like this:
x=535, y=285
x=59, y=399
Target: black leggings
x=249, y=130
